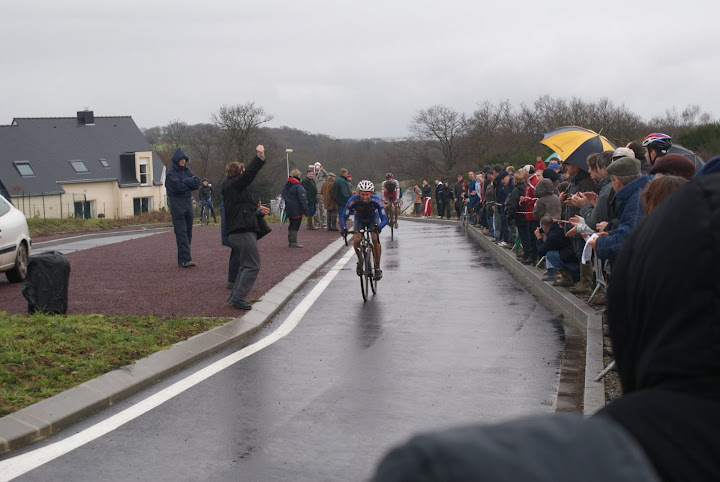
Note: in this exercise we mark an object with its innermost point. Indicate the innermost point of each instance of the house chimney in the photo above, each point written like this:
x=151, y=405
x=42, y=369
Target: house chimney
x=86, y=117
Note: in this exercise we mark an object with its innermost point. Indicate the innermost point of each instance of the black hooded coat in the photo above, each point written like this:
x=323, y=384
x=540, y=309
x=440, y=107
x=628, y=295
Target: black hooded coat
x=663, y=314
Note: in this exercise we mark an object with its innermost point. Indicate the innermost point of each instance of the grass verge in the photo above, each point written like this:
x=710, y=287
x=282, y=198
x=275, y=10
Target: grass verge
x=43, y=355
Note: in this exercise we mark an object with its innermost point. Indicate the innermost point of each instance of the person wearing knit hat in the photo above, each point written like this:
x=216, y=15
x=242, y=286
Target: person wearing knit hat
x=674, y=165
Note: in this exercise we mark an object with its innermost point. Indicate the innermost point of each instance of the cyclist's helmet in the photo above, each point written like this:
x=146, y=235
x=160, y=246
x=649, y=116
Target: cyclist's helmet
x=388, y=175
x=366, y=186
x=658, y=141
x=204, y=179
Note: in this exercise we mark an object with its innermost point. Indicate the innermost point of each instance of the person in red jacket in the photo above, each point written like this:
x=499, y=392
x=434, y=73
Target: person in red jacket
x=532, y=224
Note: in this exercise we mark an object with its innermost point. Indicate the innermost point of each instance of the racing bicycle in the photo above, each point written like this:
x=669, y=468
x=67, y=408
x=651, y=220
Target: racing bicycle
x=367, y=262
x=204, y=213
x=464, y=218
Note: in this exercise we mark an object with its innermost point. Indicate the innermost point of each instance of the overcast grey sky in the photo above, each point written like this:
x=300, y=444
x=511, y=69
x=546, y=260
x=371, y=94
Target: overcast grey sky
x=350, y=69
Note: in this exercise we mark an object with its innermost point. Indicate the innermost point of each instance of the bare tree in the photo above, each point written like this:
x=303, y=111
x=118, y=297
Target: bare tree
x=203, y=139
x=240, y=124
x=440, y=127
x=175, y=133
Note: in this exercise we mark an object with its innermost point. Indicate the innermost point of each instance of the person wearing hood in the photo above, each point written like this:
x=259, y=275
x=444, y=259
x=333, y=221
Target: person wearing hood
x=296, y=206
x=180, y=182
x=665, y=330
x=320, y=175
x=243, y=226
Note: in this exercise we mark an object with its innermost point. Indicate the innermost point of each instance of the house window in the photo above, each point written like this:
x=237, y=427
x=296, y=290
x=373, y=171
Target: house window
x=144, y=176
x=79, y=166
x=84, y=209
x=24, y=168
x=105, y=164
x=141, y=205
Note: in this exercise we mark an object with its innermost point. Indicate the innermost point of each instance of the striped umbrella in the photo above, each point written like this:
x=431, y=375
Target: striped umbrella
x=573, y=144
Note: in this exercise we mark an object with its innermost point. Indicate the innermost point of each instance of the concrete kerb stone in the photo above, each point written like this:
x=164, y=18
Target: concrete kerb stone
x=577, y=316
x=48, y=416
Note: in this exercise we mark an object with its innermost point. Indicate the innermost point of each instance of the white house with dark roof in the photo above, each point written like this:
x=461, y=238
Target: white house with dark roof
x=80, y=166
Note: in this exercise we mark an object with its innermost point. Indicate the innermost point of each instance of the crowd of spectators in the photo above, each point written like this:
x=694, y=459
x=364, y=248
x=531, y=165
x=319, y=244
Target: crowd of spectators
x=568, y=220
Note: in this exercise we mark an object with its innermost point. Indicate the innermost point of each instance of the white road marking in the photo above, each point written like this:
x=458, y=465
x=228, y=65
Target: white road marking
x=17, y=466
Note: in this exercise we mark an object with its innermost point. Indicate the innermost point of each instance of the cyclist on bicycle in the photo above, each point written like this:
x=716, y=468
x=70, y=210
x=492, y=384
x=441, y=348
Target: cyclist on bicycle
x=205, y=194
x=391, y=194
x=369, y=214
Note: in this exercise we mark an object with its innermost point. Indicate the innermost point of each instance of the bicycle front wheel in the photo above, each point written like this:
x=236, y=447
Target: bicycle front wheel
x=370, y=265
x=363, y=275
x=391, y=221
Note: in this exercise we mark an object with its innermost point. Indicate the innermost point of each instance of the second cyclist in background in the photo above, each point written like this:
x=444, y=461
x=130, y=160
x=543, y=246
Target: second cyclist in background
x=205, y=194
x=391, y=194
x=369, y=214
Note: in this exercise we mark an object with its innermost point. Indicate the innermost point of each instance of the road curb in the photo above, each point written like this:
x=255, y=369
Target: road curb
x=584, y=337
x=48, y=416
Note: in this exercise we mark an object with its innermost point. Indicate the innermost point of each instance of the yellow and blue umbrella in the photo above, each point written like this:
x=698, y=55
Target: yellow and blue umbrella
x=573, y=144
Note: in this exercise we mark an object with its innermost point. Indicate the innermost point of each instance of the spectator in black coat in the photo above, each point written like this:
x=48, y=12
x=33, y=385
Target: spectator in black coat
x=558, y=251
x=312, y=195
x=243, y=225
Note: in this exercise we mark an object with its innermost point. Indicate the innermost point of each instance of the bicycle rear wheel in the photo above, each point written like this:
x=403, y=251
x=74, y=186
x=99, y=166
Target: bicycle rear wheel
x=204, y=217
x=391, y=220
x=363, y=275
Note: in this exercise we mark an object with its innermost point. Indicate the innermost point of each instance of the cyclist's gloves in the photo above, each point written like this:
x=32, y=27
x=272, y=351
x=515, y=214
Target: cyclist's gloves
x=377, y=229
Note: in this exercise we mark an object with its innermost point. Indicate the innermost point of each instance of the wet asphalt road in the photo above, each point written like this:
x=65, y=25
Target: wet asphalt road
x=449, y=339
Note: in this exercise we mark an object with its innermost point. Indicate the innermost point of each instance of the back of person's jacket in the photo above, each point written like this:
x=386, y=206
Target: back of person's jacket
x=342, y=191
x=514, y=208
x=296, y=204
x=328, y=193
x=548, y=202
x=557, y=241
x=180, y=181
x=310, y=190
x=530, y=186
x=239, y=206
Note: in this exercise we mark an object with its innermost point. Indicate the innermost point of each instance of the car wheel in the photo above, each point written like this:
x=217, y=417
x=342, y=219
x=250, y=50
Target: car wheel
x=19, y=271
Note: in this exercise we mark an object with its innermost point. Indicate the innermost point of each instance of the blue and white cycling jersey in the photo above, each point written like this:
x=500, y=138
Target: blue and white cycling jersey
x=366, y=214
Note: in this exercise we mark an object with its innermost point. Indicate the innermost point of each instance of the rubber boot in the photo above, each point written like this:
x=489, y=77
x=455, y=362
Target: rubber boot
x=585, y=285
x=566, y=280
x=292, y=239
x=310, y=224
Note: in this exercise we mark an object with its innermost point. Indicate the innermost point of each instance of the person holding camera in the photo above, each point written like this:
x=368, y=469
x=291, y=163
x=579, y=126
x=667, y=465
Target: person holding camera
x=369, y=214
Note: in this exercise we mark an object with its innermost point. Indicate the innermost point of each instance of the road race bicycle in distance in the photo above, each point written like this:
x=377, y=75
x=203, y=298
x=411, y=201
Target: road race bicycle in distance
x=204, y=213
x=367, y=262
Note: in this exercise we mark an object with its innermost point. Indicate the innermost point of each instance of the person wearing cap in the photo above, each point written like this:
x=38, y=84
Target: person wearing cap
x=552, y=172
x=205, y=194
x=180, y=182
x=448, y=196
x=320, y=175
x=628, y=184
x=331, y=206
x=674, y=165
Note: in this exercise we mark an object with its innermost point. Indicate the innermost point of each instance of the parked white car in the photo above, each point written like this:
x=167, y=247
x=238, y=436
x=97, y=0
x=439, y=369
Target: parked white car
x=14, y=242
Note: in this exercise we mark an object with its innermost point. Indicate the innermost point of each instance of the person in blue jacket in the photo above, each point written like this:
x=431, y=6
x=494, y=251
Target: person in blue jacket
x=180, y=182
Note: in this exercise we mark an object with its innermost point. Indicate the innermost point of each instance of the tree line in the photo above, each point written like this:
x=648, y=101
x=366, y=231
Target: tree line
x=442, y=140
